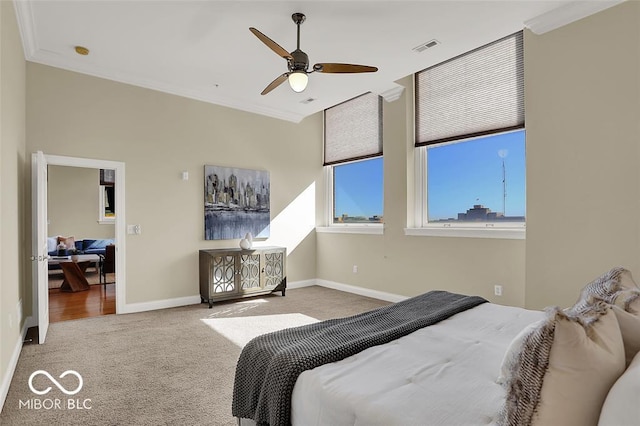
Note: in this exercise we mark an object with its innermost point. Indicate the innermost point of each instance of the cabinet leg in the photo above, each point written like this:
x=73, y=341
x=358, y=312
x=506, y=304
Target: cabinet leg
x=210, y=304
x=283, y=290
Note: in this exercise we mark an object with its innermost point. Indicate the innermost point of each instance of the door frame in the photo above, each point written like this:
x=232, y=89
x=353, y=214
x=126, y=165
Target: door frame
x=120, y=227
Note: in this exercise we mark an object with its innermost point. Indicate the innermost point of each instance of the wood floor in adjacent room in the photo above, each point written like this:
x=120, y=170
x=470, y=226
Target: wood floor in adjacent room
x=94, y=302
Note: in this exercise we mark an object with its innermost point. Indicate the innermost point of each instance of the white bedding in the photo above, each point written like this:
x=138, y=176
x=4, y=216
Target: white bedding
x=444, y=374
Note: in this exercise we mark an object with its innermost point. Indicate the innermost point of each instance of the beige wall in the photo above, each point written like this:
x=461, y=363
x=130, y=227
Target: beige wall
x=73, y=203
x=13, y=166
x=158, y=136
x=583, y=188
x=410, y=265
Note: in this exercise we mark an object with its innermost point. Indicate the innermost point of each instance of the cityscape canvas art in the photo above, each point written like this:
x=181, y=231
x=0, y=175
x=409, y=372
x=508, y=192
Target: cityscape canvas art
x=236, y=201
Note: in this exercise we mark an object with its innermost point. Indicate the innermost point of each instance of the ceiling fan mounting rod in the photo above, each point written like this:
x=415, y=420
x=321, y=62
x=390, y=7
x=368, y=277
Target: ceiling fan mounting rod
x=298, y=18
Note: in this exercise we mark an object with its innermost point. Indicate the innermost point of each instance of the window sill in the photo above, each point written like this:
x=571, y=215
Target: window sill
x=351, y=229
x=468, y=232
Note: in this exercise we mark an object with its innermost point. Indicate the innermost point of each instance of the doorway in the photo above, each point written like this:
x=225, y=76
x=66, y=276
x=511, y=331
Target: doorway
x=80, y=230
x=40, y=163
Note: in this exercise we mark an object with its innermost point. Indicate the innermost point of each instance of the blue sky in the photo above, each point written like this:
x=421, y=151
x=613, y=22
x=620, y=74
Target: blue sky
x=358, y=188
x=467, y=173
x=459, y=175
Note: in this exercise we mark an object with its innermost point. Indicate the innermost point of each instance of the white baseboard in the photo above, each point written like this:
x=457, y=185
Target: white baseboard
x=300, y=284
x=11, y=368
x=375, y=294
x=131, y=308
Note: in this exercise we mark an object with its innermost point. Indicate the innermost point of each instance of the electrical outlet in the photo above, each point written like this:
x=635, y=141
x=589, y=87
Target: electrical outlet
x=497, y=290
x=355, y=269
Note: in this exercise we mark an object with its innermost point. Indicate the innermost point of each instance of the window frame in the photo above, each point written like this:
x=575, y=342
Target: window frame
x=328, y=171
x=344, y=228
x=503, y=230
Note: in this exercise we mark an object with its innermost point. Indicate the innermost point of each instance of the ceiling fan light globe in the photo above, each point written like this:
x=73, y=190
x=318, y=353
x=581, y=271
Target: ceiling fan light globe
x=298, y=81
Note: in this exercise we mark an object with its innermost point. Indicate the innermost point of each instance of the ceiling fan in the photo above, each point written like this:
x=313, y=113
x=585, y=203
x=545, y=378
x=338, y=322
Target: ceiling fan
x=298, y=62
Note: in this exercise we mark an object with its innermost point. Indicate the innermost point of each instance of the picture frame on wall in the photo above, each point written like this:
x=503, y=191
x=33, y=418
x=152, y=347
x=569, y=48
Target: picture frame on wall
x=236, y=201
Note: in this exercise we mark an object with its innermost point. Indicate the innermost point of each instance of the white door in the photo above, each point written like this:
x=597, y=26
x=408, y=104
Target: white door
x=39, y=241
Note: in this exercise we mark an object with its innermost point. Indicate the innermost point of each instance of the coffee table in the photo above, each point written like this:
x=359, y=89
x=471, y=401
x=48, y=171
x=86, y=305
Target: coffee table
x=73, y=270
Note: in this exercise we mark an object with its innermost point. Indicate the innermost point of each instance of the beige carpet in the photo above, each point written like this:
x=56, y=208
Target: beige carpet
x=167, y=367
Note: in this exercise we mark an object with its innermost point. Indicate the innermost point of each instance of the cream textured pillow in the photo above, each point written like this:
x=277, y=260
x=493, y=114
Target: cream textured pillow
x=564, y=369
x=627, y=309
x=607, y=286
x=621, y=407
x=513, y=351
x=617, y=288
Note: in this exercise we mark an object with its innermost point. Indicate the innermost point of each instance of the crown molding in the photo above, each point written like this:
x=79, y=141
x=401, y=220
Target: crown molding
x=51, y=59
x=33, y=53
x=26, y=26
x=392, y=94
x=567, y=14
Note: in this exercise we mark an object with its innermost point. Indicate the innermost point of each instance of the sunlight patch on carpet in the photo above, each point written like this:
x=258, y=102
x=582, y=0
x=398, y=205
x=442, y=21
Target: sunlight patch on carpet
x=236, y=308
x=242, y=329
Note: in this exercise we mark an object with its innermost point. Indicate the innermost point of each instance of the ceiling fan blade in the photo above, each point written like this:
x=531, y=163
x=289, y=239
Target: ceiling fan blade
x=275, y=83
x=343, y=68
x=271, y=44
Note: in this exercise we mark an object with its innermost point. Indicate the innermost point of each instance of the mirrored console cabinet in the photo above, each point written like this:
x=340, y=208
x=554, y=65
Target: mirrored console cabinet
x=233, y=273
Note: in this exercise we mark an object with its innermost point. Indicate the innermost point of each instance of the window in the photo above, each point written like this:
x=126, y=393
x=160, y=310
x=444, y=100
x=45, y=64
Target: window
x=470, y=139
x=477, y=180
x=353, y=162
x=357, y=192
x=106, y=197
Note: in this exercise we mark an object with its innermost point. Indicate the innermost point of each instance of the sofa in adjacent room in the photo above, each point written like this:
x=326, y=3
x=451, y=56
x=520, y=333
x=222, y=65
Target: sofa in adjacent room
x=84, y=246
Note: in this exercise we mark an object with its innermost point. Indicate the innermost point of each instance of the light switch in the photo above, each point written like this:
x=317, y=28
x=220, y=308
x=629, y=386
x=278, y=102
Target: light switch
x=185, y=175
x=134, y=229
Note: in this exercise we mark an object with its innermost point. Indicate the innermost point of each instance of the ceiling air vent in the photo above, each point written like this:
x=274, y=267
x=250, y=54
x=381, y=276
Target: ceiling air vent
x=425, y=46
x=308, y=100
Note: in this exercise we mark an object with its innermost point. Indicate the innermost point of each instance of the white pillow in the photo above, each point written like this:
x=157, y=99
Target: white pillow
x=52, y=244
x=564, y=369
x=622, y=406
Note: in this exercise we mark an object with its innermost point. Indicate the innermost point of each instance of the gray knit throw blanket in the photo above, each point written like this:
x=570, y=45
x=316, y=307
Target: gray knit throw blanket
x=270, y=364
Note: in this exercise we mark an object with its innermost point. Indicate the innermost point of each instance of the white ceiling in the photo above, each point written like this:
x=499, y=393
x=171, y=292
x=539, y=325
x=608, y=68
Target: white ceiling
x=204, y=49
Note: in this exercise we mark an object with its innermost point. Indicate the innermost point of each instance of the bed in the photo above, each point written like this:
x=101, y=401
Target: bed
x=471, y=369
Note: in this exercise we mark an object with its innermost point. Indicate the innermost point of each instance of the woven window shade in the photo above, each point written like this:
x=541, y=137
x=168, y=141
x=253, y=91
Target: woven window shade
x=477, y=93
x=353, y=130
